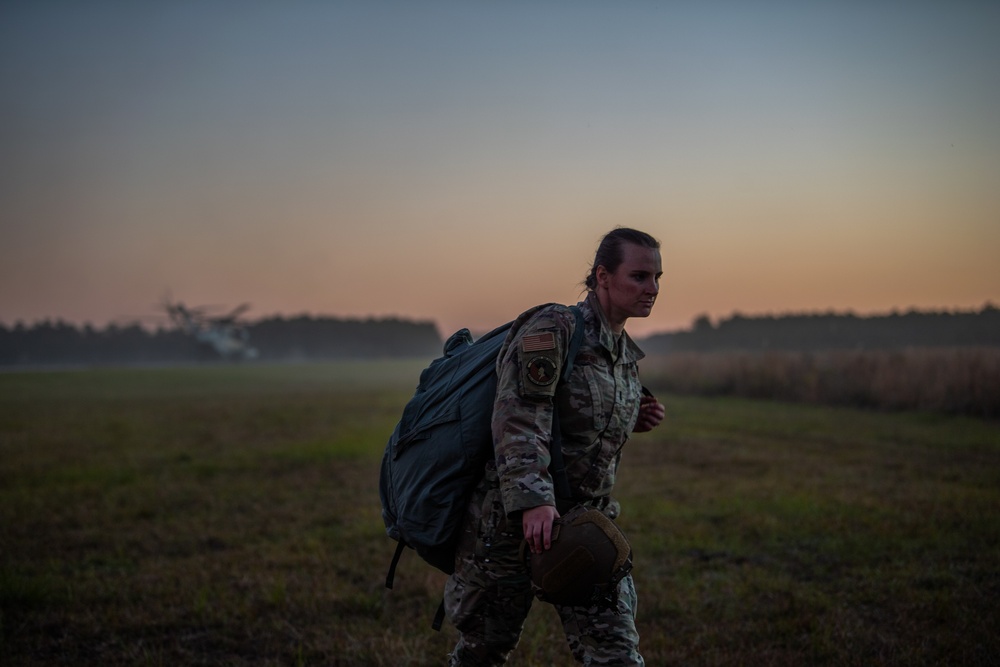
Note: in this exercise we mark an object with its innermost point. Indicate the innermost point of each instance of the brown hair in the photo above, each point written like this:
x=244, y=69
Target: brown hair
x=610, y=255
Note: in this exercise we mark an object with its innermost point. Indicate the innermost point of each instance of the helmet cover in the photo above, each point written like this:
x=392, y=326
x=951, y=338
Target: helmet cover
x=588, y=557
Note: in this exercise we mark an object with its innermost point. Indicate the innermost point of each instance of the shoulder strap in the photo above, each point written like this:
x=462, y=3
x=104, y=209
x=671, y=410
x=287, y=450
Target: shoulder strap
x=574, y=344
x=557, y=466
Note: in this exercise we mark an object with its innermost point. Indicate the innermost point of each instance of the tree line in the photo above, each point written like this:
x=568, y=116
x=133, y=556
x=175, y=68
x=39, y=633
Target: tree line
x=304, y=337
x=831, y=331
x=276, y=339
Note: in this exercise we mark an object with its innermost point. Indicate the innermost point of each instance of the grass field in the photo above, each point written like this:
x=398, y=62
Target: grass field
x=230, y=516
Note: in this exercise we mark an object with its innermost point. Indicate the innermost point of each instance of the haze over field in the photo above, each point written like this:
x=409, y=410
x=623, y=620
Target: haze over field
x=458, y=162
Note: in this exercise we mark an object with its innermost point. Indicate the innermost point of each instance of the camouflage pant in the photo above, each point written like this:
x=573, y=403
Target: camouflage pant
x=489, y=596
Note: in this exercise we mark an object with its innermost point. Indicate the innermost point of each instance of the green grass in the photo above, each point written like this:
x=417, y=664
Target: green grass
x=230, y=516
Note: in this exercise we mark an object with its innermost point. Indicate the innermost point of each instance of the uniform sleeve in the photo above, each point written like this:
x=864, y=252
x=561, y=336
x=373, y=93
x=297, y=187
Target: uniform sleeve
x=522, y=417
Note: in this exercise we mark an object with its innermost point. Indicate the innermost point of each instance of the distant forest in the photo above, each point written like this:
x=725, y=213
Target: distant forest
x=276, y=339
x=831, y=331
x=307, y=338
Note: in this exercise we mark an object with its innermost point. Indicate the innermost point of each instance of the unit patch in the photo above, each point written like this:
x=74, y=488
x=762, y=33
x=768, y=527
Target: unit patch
x=541, y=371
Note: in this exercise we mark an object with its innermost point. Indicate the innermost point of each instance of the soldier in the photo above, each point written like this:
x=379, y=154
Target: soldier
x=598, y=406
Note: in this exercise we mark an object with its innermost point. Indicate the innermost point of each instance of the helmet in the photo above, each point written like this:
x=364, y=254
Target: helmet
x=588, y=557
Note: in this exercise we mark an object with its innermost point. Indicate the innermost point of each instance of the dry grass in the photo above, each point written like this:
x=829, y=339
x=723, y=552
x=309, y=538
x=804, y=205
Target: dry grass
x=230, y=517
x=949, y=380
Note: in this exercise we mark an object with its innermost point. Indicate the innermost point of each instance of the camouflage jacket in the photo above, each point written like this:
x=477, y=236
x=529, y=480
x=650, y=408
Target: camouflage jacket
x=598, y=405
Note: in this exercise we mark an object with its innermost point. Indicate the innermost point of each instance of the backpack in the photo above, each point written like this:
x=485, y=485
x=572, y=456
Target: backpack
x=437, y=453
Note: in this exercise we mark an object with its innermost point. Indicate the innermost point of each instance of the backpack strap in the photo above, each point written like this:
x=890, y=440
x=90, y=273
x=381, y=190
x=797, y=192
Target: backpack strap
x=575, y=342
x=438, y=616
x=391, y=575
x=557, y=467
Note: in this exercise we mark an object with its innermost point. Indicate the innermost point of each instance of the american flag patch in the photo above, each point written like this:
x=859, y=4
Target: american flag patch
x=539, y=342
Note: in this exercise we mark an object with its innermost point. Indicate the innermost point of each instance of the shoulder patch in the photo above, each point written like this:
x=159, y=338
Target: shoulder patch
x=541, y=371
x=538, y=342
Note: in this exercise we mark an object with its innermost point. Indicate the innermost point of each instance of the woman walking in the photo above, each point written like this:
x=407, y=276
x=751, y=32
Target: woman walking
x=598, y=405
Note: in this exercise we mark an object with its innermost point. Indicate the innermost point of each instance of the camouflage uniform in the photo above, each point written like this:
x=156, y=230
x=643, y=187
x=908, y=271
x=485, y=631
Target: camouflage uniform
x=489, y=595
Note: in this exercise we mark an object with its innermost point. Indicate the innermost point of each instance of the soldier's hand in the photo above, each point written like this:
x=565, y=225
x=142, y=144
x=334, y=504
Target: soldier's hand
x=537, y=524
x=651, y=413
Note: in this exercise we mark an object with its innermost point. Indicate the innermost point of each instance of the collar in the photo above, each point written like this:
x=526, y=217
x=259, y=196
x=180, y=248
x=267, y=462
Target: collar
x=606, y=336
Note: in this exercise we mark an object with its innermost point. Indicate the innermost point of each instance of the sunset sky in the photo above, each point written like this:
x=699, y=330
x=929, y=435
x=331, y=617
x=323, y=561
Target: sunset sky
x=459, y=161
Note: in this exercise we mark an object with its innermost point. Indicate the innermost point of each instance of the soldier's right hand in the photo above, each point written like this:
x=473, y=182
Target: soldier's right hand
x=537, y=525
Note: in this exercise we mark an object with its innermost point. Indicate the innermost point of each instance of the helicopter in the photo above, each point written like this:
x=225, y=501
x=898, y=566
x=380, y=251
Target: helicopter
x=223, y=333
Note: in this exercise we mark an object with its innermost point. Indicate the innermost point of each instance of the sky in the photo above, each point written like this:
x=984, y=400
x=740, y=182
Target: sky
x=459, y=162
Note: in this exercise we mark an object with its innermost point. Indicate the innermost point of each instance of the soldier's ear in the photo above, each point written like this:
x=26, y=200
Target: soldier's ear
x=603, y=276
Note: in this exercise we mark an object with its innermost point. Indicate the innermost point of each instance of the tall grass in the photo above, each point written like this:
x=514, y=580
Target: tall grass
x=948, y=380
x=226, y=516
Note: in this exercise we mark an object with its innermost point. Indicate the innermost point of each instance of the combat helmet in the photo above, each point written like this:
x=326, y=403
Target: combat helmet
x=588, y=557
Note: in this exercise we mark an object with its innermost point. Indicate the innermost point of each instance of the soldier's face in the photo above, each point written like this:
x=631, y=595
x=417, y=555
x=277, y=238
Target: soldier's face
x=632, y=289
